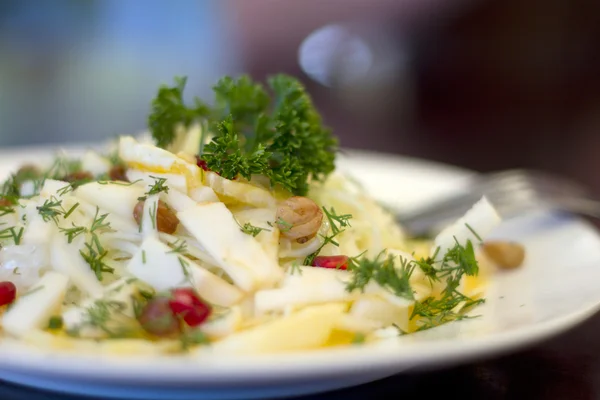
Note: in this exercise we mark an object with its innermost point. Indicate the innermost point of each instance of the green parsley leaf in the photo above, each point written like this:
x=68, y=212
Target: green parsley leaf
x=277, y=134
x=169, y=110
x=224, y=154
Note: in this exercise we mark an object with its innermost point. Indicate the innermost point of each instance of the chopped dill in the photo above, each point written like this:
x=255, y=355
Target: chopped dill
x=336, y=223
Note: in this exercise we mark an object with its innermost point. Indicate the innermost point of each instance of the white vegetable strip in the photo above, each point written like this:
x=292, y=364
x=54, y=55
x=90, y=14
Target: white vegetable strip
x=160, y=267
x=203, y=194
x=178, y=201
x=33, y=310
x=94, y=163
x=304, y=287
x=212, y=288
x=263, y=218
x=67, y=260
x=482, y=218
x=305, y=329
x=105, y=196
x=121, y=245
x=382, y=311
x=37, y=231
x=239, y=254
x=155, y=264
x=136, y=154
x=239, y=191
x=193, y=248
x=51, y=188
x=293, y=250
x=186, y=140
x=149, y=227
x=22, y=264
x=223, y=325
x=352, y=323
x=148, y=179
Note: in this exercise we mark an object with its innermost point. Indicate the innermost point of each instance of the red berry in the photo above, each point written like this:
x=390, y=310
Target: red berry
x=185, y=303
x=201, y=163
x=8, y=293
x=157, y=318
x=337, y=262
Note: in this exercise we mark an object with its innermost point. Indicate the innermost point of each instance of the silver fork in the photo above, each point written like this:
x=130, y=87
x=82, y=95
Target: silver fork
x=512, y=192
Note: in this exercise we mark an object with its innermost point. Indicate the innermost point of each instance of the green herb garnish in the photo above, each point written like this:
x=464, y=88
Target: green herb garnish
x=250, y=229
x=336, y=224
x=276, y=133
x=452, y=305
x=169, y=111
x=94, y=253
x=383, y=271
x=12, y=233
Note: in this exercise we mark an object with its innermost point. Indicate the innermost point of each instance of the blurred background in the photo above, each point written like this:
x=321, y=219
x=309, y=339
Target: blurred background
x=484, y=84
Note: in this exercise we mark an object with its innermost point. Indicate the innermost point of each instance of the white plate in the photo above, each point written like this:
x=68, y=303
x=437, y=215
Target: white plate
x=558, y=287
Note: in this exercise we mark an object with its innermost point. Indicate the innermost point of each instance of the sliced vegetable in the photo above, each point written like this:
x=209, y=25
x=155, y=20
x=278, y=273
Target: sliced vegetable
x=33, y=309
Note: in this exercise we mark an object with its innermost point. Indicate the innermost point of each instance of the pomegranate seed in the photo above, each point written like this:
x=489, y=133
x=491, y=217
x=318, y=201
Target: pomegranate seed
x=8, y=293
x=186, y=304
x=157, y=318
x=338, y=262
x=202, y=164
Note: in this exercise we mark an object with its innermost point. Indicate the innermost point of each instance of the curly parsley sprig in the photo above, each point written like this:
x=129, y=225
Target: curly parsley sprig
x=277, y=133
x=169, y=110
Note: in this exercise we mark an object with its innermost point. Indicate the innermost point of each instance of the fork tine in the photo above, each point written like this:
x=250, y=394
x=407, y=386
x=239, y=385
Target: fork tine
x=511, y=192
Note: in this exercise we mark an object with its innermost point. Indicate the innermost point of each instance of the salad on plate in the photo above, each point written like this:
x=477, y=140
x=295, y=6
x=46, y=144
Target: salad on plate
x=226, y=227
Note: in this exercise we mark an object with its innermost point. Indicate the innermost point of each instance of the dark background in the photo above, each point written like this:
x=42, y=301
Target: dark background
x=485, y=84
